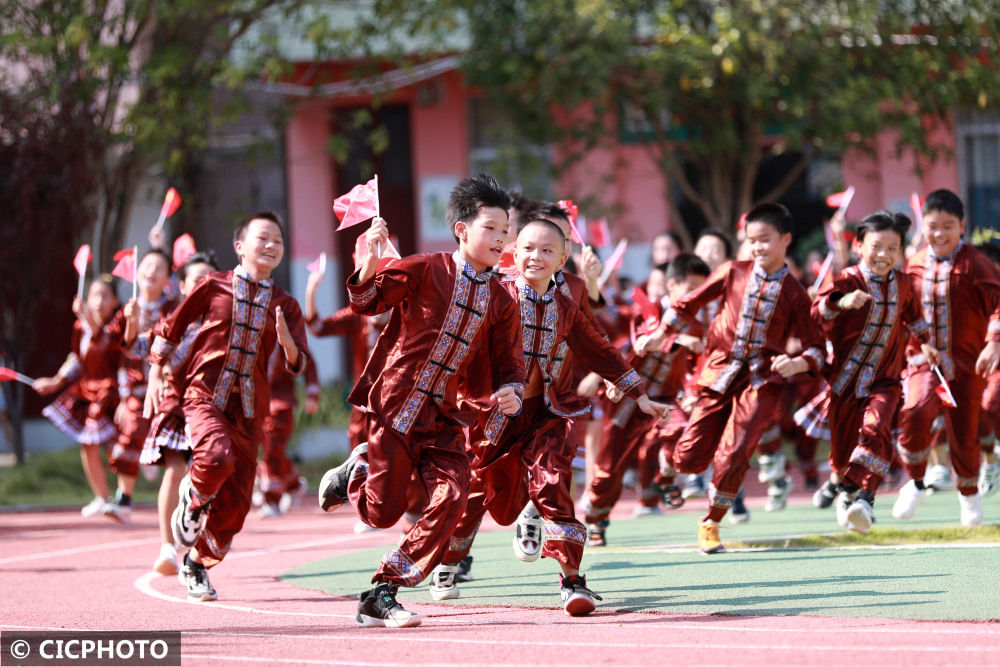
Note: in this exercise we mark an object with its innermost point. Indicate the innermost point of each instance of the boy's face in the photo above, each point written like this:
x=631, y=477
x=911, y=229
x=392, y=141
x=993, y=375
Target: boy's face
x=664, y=249
x=262, y=247
x=154, y=274
x=881, y=251
x=102, y=300
x=691, y=282
x=656, y=285
x=712, y=251
x=767, y=246
x=943, y=230
x=194, y=275
x=481, y=240
x=537, y=254
x=567, y=238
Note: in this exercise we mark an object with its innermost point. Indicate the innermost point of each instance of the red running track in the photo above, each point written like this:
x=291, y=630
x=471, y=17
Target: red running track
x=59, y=571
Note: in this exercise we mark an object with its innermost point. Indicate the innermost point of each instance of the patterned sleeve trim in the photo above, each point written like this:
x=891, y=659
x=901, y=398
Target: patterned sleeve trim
x=300, y=366
x=161, y=349
x=827, y=311
x=922, y=331
x=815, y=358
x=993, y=331
x=628, y=381
x=363, y=299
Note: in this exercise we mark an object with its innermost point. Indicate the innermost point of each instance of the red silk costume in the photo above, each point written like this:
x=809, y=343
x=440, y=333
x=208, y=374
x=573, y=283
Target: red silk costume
x=227, y=392
x=451, y=332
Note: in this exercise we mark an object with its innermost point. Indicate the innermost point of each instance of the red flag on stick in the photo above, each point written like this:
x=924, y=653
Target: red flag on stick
x=615, y=261
x=573, y=213
x=171, y=202
x=183, y=249
x=318, y=265
x=506, y=265
x=650, y=313
x=8, y=374
x=83, y=257
x=943, y=390
x=358, y=205
x=600, y=235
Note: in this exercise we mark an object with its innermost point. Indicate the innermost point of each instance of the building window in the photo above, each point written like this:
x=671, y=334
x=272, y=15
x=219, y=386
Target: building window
x=978, y=138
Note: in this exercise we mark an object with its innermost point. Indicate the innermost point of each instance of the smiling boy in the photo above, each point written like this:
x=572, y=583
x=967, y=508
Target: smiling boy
x=449, y=350
x=243, y=315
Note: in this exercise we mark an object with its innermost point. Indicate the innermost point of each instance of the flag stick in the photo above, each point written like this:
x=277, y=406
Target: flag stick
x=827, y=263
x=944, y=383
x=135, y=271
x=79, y=285
x=378, y=205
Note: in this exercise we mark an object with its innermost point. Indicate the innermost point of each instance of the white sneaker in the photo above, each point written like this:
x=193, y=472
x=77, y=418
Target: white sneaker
x=578, y=600
x=938, y=478
x=186, y=524
x=290, y=500
x=195, y=578
x=442, y=583
x=859, y=516
x=528, y=540
x=778, y=492
x=94, y=507
x=972, y=509
x=772, y=467
x=119, y=513
x=843, y=503
x=989, y=478
x=268, y=511
x=166, y=564
x=909, y=499
x=694, y=487
x=360, y=528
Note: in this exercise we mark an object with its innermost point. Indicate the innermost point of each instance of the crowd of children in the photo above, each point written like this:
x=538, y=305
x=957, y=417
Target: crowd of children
x=479, y=373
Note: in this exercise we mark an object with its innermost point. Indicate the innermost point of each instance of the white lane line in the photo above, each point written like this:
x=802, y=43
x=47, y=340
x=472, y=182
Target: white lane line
x=103, y=546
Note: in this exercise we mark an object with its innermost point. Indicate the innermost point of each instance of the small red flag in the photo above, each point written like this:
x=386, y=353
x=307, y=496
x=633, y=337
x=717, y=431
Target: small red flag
x=650, y=313
x=600, y=235
x=358, y=205
x=183, y=249
x=83, y=257
x=836, y=200
x=318, y=265
x=171, y=202
x=506, y=264
x=8, y=374
x=125, y=268
x=573, y=213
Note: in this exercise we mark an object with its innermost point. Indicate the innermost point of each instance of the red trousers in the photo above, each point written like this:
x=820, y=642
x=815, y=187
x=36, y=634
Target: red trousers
x=619, y=450
x=276, y=471
x=533, y=460
x=434, y=449
x=725, y=428
x=223, y=464
x=132, y=434
x=861, y=434
x=357, y=427
x=921, y=404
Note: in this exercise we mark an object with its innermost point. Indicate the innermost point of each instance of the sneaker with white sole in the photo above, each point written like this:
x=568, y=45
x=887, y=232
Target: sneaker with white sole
x=578, y=600
x=269, y=511
x=777, y=494
x=122, y=513
x=989, y=478
x=694, y=487
x=772, y=467
x=378, y=608
x=442, y=582
x=166, y=563
x=195, y=577
x=938, y=478
x=859, y=515
x=972, y=510
x=94, y=508
x=293, y=498
x=333, y=487
x=708, y=538
x=464, y=570
x=908, y=500
x=842, y=504
x=528, y=540
x=186, y=524
x=825, y=495
x=739, y=513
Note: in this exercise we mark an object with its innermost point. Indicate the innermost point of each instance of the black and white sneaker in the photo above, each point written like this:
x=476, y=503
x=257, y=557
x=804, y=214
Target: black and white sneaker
x=528, y=540
x=464, y=570
x=333, y=486
x=195, y=577
x=825, y=495
x=186, y=524
x=578, y=600
x=378, y=608
x=442, y=582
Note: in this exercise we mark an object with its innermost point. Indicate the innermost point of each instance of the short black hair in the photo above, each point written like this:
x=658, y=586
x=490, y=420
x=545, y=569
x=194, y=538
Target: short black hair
x=686, y=264
x=241, y=229
x=519, y=202
x=203, y=257
x=544, y=210
x=944, y=200
x=881, y=220
x=162, y=253
x=105, y=279
x=771, y=213
x=721, y=235
x=472, y=194
x=544, y=222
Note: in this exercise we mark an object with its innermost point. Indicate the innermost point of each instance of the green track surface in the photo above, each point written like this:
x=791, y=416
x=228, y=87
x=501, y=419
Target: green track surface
x=926, y=568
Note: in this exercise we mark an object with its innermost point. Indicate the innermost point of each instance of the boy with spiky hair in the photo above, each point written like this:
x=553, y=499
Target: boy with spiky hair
x=746, y=365
x=959, y=289
x=868, y=313
x=243, y=316
x=451, y=349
